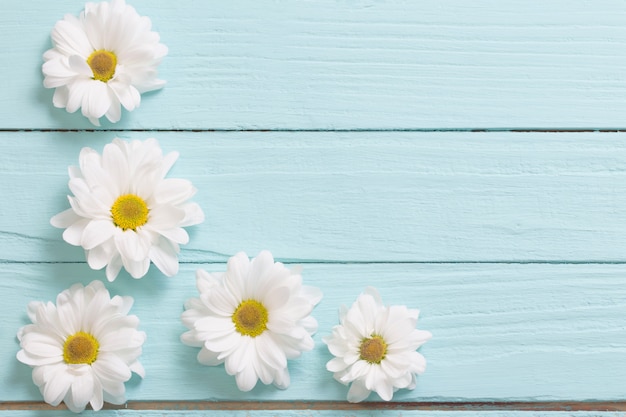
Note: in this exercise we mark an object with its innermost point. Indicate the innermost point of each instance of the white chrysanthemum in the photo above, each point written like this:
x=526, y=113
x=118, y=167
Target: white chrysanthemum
x=102, y=60
x=254, y=317
x=375, y=348
x=124, y=212
x=82, y=349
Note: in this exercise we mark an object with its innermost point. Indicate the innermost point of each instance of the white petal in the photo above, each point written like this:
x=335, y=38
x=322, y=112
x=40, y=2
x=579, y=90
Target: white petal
x=100, y=256
x=58, y=385
x=81, y=392
x=113, y=268
x=96, y=400
x=59, y=100
x=165, y=217
x=336, y=365
x=240, y=357
x=164, y=257
x=76, y=92
x=222, y=302
x=68, y=37
x=114, y=113
x=269, y=351
x=96, y=233
x=384, y=389
x=137, y=368
x=74, y=233
x=174, y=191
x=96, y=100
x=127, y=94
x=79, y=66
x=246, y=379
x=206, y=357
x=64, y=219
x=136, y=269
x=193, y=215
x=114, y=162
x=357, y=392
x=132, y=246
x=236, y=275
x=110, y=367
x=282, y=379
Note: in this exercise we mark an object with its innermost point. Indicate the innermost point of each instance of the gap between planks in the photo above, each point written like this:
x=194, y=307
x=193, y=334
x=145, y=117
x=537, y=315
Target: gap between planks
x=355, y=130
x=569, y=406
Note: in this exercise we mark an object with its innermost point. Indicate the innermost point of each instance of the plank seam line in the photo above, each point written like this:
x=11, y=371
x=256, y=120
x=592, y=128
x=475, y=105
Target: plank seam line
x=366, y=130
x=323, y=262
x=569, y=406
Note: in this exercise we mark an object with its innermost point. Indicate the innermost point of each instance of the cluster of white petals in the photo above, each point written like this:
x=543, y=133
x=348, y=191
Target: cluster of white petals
x=103, y=60
x=375, y=348
x=253, y=318
x=82, y=349
x=124, y=212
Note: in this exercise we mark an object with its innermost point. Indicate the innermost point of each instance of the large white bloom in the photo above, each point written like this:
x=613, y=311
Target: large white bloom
x=82, y=349
x=103, y=60
x=124, y=212
x=253, y=317
x=375, y=348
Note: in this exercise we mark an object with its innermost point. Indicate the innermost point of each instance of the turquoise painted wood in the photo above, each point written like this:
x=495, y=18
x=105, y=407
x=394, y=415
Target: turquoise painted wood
x=362, y=164
x=358, y=64
x=532, y=332
x=355, y=197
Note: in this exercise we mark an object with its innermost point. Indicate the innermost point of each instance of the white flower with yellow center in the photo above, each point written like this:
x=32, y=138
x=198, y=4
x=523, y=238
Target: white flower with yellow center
x=102, y=60
x=124, y=212
x=375, y=348
x=253, y=318
x=82, y=349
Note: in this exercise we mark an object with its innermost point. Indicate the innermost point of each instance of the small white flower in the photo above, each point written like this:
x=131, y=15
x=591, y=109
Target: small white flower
x=375, y=348
x=82, y=349
x=102, y=60
x=124, y=212
x=253, y=317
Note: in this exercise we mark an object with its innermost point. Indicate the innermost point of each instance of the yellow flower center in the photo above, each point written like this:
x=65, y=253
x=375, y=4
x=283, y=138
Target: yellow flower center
x=80, y=348
x=250, y=318
x=373, y=350
x=102, y=64
x=129, y=212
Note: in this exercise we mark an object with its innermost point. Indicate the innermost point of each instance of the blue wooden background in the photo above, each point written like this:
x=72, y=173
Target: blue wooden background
x=463, y=157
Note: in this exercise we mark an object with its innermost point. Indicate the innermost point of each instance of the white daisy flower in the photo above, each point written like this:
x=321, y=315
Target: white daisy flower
x=124, y=212
x=102, y=60
x=254, y=317
x=375, y=348
x=82, y=349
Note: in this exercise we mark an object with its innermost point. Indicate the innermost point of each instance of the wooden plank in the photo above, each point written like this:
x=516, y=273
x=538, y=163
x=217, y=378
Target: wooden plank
x=501, y=332
x=350, y=65
x=353, y=197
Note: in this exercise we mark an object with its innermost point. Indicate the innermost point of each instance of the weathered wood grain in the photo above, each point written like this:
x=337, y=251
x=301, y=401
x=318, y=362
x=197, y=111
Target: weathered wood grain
x=363, y=64
x=353, y=197
x=501, y=332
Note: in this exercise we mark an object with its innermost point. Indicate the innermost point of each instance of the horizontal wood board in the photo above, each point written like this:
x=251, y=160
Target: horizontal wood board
x=362, y=64
x=501, y=332
x=353, y=196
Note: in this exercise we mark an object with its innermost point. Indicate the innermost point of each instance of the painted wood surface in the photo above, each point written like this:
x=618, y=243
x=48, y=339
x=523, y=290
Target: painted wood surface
x=358, y=64
x=354, y=196
x=361, y=162
x=500, y=332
